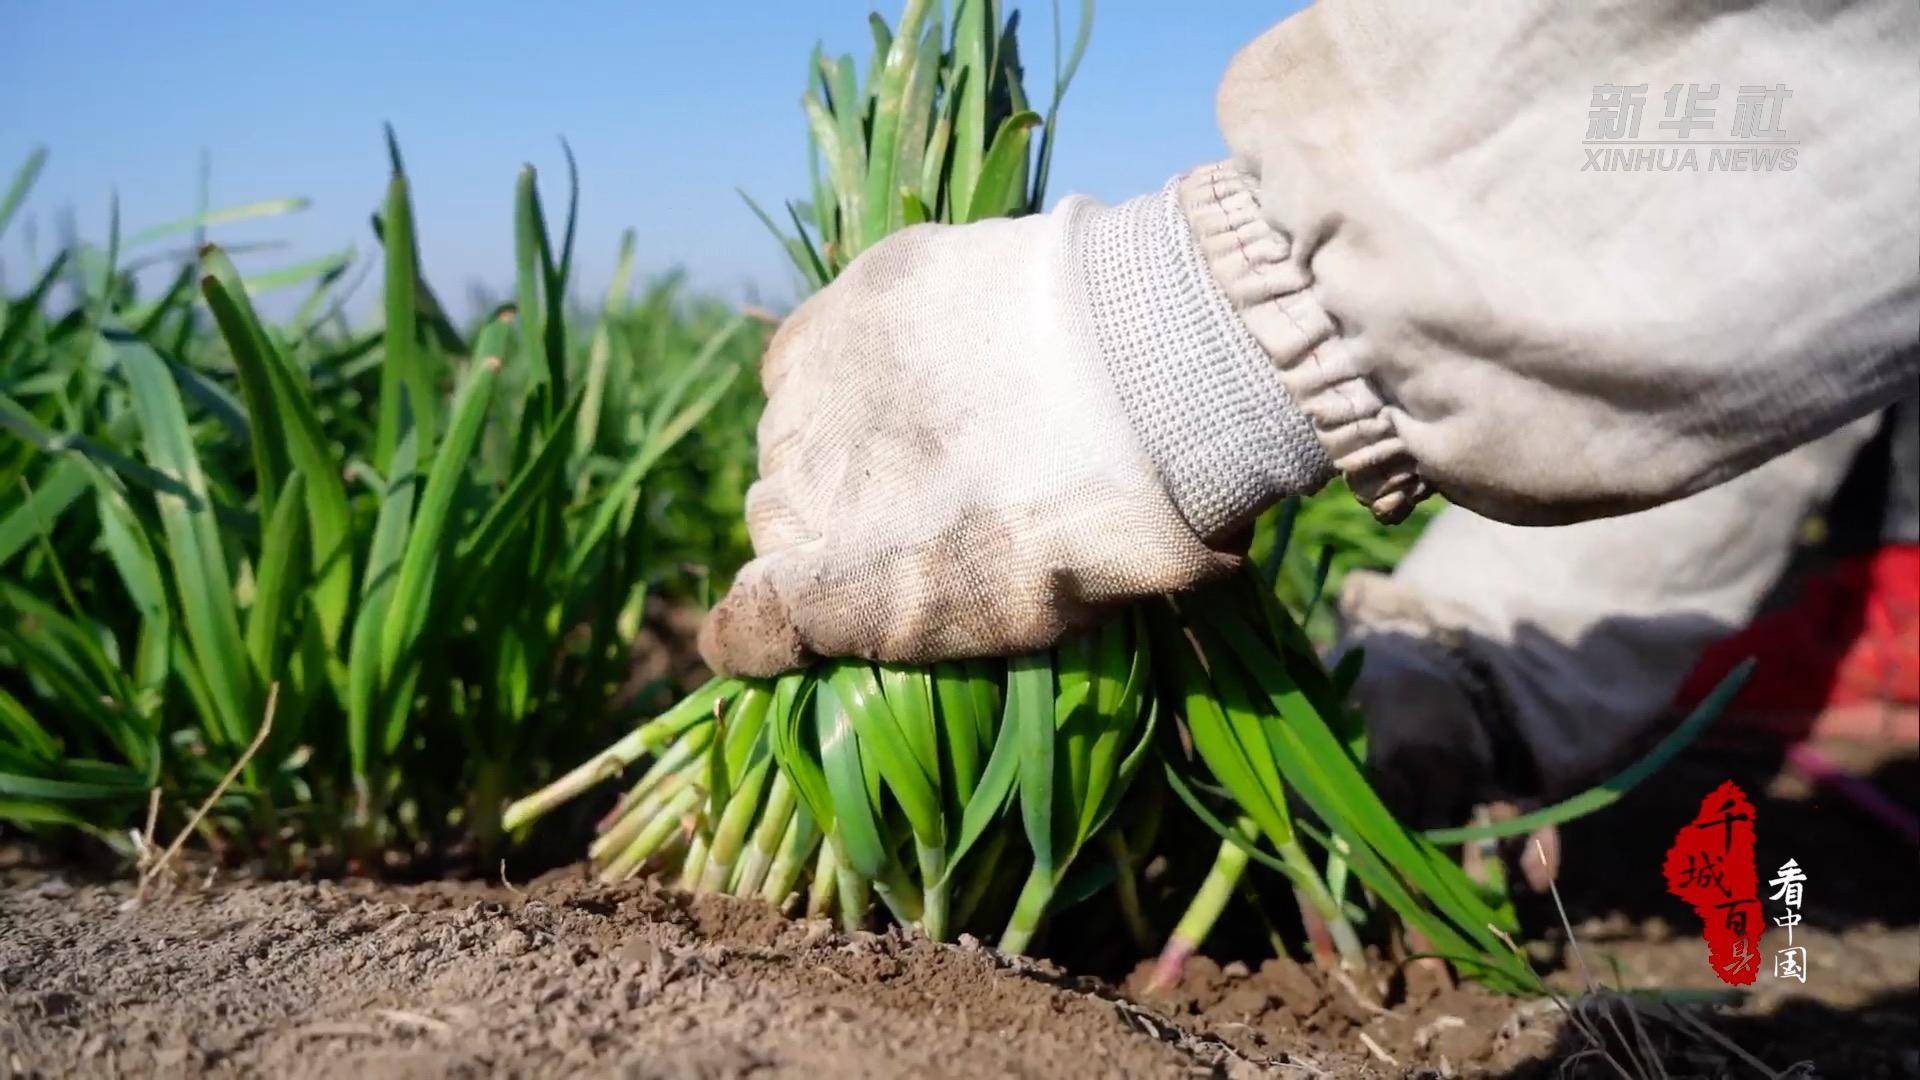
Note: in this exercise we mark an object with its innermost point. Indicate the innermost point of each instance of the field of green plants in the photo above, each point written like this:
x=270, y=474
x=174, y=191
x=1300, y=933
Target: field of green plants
x=409, y=562
x=317, y=596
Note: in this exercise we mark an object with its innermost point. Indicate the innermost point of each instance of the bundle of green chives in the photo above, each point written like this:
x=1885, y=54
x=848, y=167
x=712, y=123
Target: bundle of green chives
x=968, y=795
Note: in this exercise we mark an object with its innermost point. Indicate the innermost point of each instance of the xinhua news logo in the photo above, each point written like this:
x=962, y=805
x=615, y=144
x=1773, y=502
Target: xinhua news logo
x=1695, y=132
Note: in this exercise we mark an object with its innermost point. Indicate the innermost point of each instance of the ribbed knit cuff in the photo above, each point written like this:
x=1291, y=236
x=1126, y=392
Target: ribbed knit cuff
x=1204, y=397
x=1268, y=285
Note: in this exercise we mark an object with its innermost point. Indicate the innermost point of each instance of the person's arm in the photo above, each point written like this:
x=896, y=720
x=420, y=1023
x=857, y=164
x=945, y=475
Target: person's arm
x=982, y=436
x=1427, y=224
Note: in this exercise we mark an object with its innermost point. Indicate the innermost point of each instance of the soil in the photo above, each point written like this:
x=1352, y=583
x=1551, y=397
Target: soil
x=564, y=976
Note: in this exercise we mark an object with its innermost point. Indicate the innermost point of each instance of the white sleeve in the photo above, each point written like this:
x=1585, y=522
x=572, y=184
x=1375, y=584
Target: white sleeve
x=1567, y=261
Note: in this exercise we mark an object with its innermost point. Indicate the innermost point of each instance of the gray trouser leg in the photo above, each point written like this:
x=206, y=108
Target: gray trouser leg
x=1524, y=659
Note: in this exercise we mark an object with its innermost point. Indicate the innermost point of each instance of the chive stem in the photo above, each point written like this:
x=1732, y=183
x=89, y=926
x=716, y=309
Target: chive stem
x=694, y=863
x=1028, y=911
x=768, y=834
x=826, y=879
x=730, y=835
x=658, y=831
x=796, y=847
x=644, y=739
x=933, y=907
x=1204, y=910
x=854, y=892
x=1318, y=903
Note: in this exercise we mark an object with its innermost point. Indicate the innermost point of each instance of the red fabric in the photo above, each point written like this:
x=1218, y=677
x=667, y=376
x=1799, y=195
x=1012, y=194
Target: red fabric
x=1843, y=660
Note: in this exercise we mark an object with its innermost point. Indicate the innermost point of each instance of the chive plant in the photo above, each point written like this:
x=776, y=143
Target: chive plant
x=439, y=547
x=982, y=795
x=433, y=542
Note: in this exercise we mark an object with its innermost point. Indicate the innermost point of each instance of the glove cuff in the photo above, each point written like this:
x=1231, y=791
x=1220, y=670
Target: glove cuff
x=1199, y=390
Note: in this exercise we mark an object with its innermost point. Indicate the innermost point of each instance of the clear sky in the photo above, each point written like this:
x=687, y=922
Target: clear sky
x=668, y=107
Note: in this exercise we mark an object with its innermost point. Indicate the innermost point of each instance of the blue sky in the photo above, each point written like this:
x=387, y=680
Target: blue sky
x=668, y=107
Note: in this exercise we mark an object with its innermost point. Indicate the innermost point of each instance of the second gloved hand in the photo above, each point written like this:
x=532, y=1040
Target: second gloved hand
x=981, y=436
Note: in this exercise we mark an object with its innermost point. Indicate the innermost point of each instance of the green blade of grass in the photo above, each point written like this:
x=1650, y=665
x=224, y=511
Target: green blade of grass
x=1073, y=720
x=693, y=711
x=376, y=589
x=1030, y=715
x=34, y=787
x=528, y=239
x=600, y=350
x=1184, y=789
x=635, y=470
x=21, y=313
x=973, y=34
x=405, y=370
x=1076, y=717
x=201, y=391
x=1007, y=95
x=248, y=343
x=912, y=210
x=1255, y=725
x=553, y=291
x=916, y=124
x=745, y=742
x=933, y=169
x=565, y=270
x=127, y=545
x=885, y=744
x=23, y=180
x=908, y=692
x=329, y=517
x=323, y=266
x=791, y=732
x=844, y=169
x=815, y=263
x=1213, y=736
x=29, y=814
x=849, y=108
x=1119, y=747
x=145, y=318
x=16, y=419
x=890, y=83
x=194, y=547
x=37, y=513
x=65, y=655
x=224, y=216
x=427, y=541
x=703, y=365
x=426, y=303
x=277, y=581
x=1318, y=767
x=959, y=729
x=882, y=43
x=719, y=783
x=991, y=796
x=855, y=830
x=529, y=488
x=1000, y=187
x=815, y=275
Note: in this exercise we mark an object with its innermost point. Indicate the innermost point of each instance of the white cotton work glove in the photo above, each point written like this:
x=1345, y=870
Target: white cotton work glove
x=981, y=436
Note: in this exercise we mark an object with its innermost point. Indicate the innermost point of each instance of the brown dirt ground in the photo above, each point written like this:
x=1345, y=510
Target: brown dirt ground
x=563, y=976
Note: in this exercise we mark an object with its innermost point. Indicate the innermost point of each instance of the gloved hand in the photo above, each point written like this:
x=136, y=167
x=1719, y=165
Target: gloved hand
x=980, y=436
